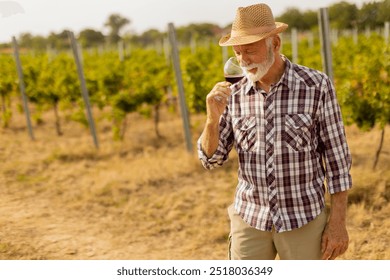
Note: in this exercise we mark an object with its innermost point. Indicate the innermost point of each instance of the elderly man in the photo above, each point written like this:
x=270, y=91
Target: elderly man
x=285, y=123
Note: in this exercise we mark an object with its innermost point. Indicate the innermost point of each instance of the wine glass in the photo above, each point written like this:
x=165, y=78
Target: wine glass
x=233, y=71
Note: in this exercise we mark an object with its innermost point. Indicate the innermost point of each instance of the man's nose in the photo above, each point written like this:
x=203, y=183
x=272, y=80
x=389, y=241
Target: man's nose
x=244, y=63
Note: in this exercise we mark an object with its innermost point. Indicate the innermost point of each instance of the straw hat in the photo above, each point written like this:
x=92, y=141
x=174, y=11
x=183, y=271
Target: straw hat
x=251, y=24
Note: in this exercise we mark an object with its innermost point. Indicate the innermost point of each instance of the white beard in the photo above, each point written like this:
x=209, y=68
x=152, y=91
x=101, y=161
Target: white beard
x=262, y=68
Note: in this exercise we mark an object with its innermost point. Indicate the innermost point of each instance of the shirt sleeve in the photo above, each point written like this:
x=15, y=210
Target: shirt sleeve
x=225, y=145
x=337, y=157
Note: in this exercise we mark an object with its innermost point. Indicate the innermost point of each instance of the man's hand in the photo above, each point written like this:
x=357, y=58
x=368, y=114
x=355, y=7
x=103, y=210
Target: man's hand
x=335, y=236
x=334, y=241
x=217, y=100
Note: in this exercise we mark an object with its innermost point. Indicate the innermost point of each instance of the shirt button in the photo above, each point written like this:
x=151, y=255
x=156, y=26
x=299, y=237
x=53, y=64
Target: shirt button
x=269, y=166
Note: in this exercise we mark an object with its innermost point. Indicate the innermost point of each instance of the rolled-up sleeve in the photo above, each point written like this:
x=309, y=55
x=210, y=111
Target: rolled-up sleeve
x=337, y=156
x=225, y=145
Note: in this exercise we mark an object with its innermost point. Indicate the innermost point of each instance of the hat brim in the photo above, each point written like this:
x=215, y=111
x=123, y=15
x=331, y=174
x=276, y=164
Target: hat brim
x=227, y=40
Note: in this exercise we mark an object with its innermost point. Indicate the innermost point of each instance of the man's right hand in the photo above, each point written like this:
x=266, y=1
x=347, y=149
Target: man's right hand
x=217, y=100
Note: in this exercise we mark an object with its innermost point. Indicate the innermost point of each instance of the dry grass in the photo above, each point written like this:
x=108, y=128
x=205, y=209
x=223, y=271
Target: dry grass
x=369, y=208
x=147, y=198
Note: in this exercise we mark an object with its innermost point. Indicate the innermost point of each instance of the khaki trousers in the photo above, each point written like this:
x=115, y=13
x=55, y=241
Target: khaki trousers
x=248, y=243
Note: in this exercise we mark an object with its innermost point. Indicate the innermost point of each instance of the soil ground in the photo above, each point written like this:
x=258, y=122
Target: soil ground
x=147, y=197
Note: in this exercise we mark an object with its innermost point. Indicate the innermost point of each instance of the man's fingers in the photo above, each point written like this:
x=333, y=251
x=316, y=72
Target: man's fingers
x=224, y=84
x=220, y=98
x=221, y=91
x=326, y=247
x=324, y=242
x=331, y=251
x=335, y=254
x=340, y=250
x=328, y=253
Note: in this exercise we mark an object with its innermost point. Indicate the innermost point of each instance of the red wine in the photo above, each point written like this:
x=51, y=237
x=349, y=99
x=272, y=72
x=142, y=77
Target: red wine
x=233, y=79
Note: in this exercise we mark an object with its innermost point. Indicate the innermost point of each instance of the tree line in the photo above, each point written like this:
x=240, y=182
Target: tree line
x=342, y=15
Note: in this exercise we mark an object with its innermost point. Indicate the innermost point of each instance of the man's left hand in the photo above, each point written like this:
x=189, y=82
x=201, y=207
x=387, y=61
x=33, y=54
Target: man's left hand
x=334, y=241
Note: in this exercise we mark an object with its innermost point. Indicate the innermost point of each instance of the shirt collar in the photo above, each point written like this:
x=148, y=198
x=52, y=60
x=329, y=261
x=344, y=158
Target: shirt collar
x=288, y=78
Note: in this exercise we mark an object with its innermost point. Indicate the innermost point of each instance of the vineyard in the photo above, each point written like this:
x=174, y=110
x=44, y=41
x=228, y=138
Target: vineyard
x=141, y=195
x=144, y=80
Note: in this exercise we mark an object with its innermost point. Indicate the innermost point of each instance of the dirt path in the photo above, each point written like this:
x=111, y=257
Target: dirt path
x=60, y=199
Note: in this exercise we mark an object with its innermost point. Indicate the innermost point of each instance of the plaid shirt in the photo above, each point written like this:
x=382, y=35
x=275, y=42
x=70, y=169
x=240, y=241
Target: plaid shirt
x=288, y=141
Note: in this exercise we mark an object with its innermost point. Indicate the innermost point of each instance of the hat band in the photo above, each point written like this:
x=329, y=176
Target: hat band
x=252, y=31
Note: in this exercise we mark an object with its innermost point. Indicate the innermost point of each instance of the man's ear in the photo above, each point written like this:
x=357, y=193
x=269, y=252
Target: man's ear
x=276, y=42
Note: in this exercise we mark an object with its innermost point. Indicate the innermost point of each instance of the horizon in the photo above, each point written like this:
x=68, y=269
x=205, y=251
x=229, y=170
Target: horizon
x=42, y=17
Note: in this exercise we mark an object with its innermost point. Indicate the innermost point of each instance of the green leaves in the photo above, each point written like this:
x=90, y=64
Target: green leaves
x=363, y=82
x=141, y=82
x=202, y=70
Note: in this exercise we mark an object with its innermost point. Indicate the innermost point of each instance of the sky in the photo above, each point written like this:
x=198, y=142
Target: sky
x=40, y=17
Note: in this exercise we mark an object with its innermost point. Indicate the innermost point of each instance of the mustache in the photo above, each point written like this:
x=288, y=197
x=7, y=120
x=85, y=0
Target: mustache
x=251, y=66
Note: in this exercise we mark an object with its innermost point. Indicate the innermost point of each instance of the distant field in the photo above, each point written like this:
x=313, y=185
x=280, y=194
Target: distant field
x=147, y=198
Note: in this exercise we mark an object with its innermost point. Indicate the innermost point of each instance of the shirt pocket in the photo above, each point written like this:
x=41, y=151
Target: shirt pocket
x=245, y=132
x=297, y=131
